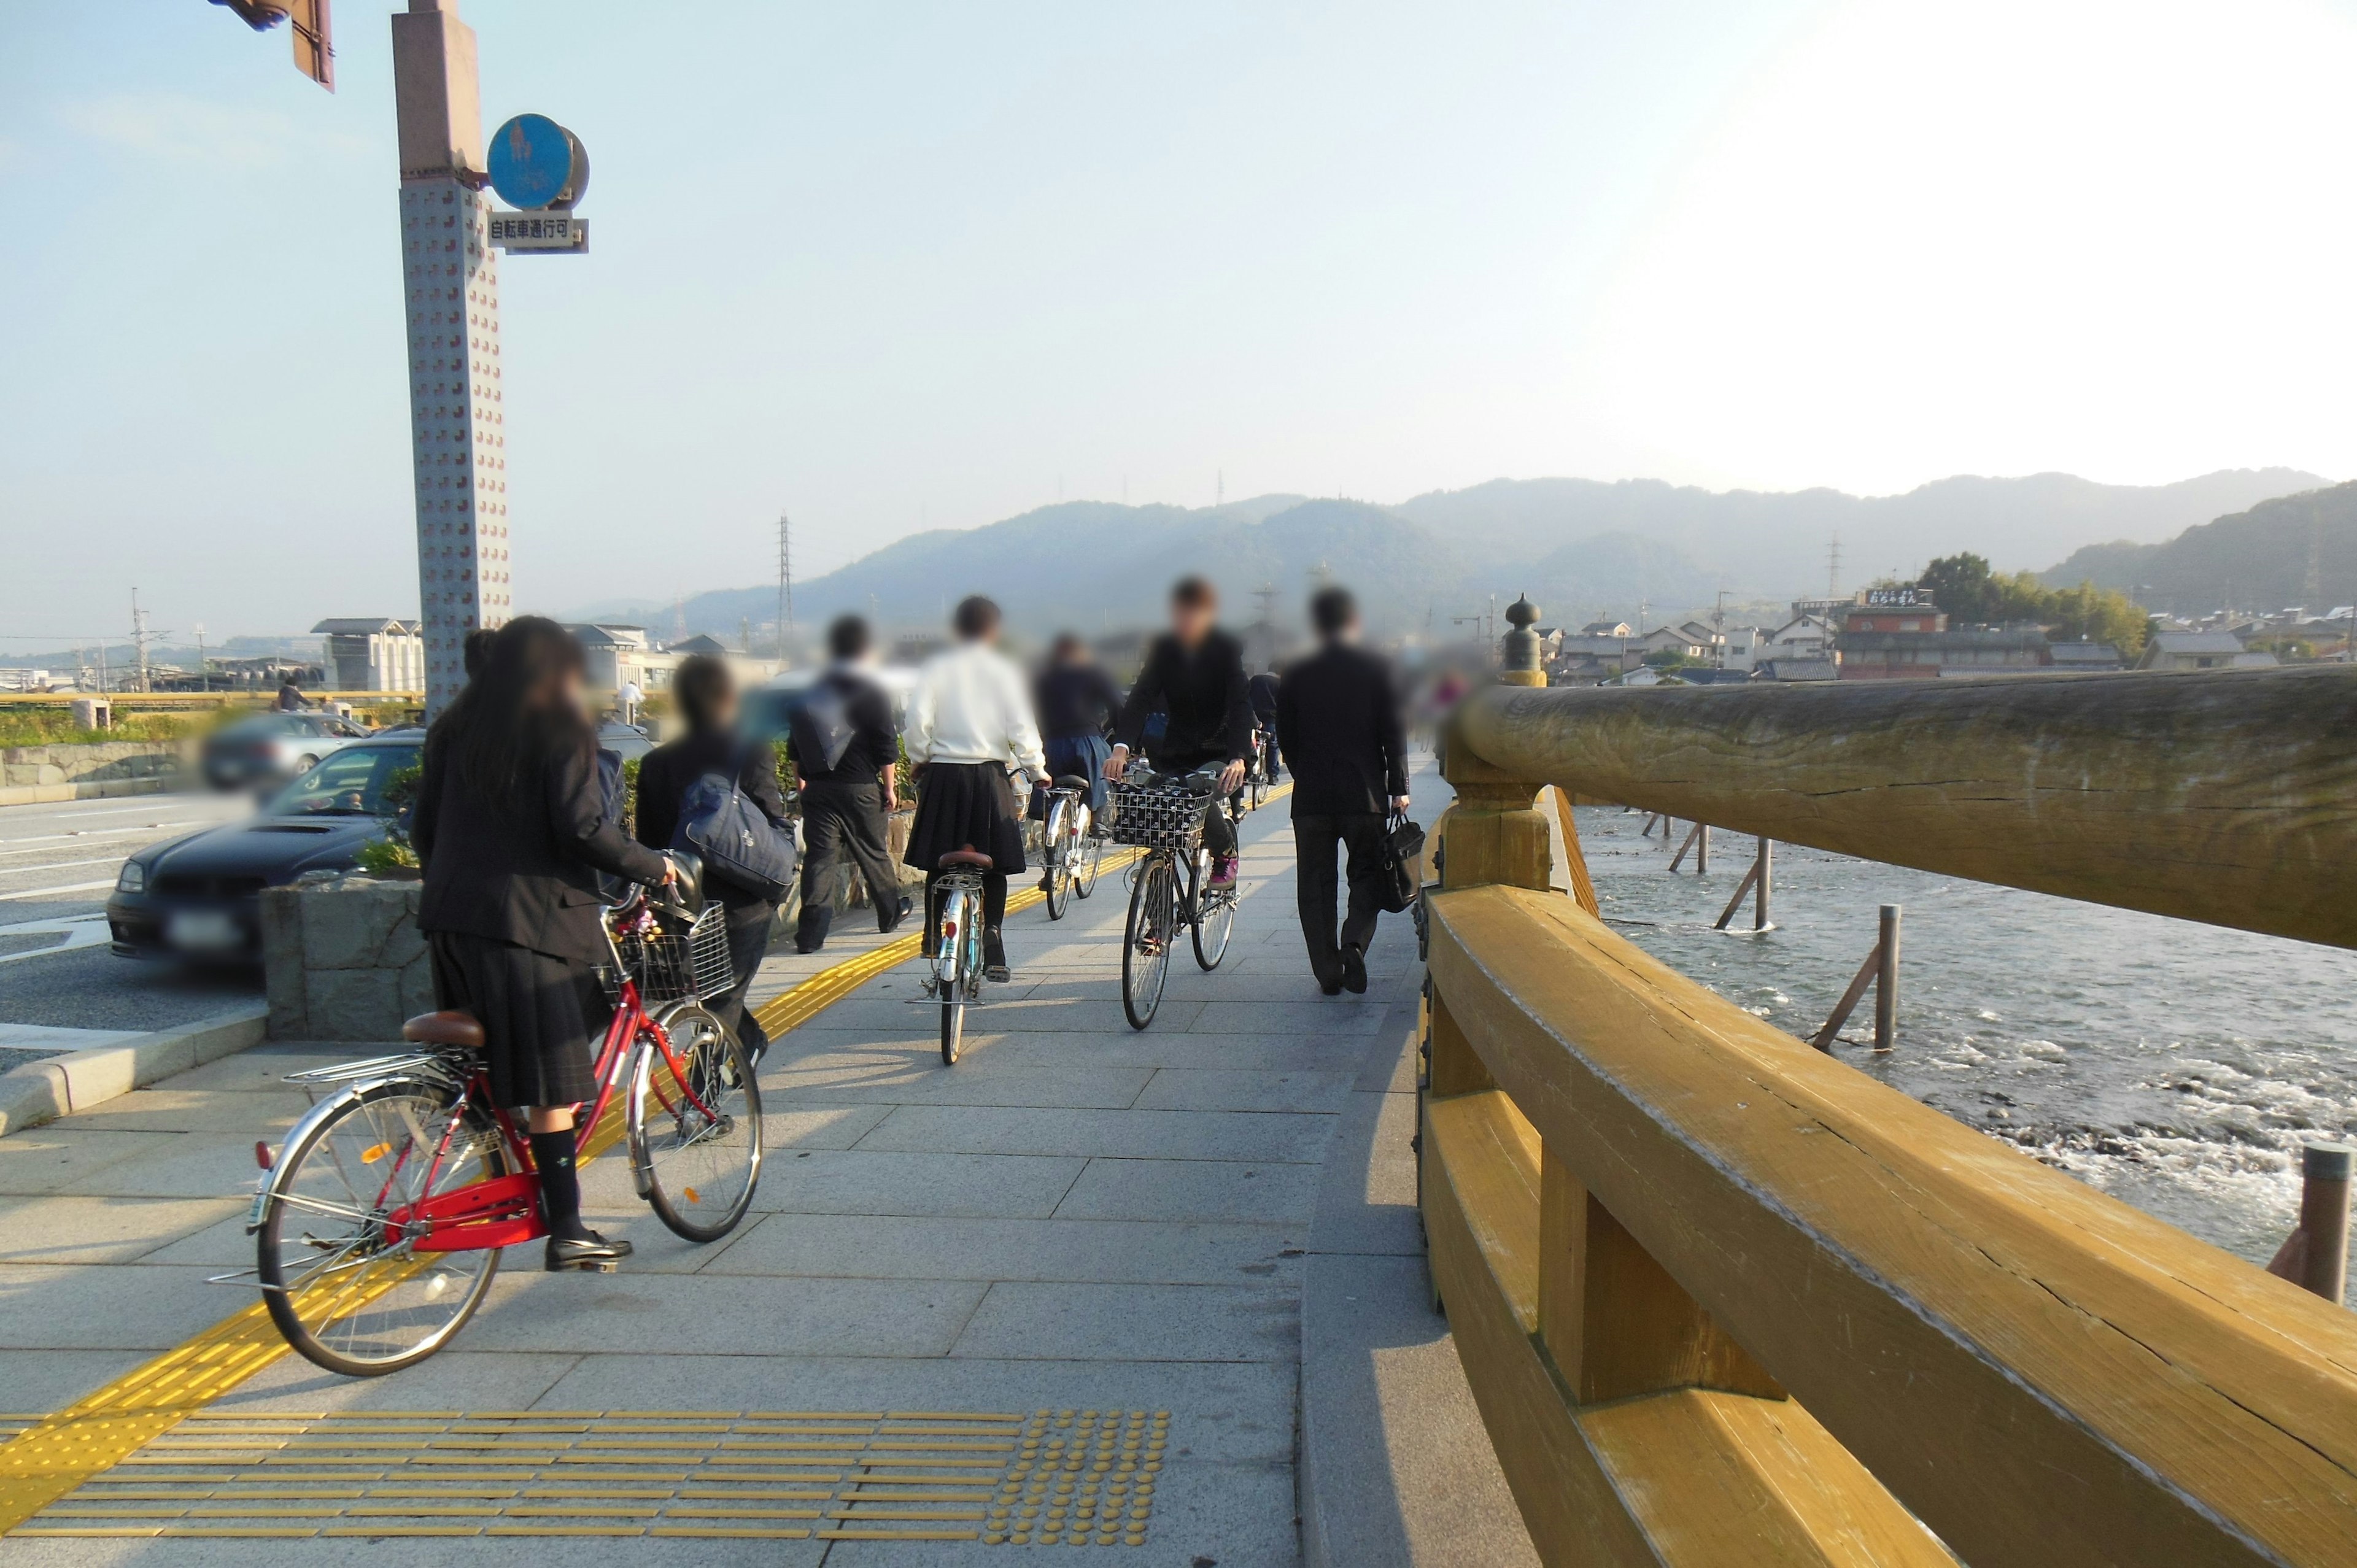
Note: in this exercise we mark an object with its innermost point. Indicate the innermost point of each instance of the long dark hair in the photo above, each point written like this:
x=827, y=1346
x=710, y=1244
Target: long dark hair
x=501, y=730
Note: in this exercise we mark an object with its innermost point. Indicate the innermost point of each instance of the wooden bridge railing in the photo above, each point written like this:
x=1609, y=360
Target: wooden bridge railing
x=1723, y=1299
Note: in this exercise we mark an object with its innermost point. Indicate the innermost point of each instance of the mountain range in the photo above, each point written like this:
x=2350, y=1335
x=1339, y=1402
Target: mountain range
x=2295, y=550
x=1582, y=549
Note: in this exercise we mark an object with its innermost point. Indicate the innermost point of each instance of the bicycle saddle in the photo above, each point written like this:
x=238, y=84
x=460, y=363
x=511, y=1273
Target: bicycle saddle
x=966, y=860
x=458, y=1029
x=1071, y=782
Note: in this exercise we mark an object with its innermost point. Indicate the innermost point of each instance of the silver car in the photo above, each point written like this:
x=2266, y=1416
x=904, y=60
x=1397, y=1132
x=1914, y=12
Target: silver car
x=267, y=749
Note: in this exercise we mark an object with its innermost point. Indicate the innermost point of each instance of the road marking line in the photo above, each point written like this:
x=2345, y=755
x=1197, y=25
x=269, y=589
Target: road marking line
x=105, y=1428
x=71, y=888
x=58, y=866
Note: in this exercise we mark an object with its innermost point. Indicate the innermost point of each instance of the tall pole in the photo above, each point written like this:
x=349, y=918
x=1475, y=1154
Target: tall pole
x=785, y=583
x=458, y=431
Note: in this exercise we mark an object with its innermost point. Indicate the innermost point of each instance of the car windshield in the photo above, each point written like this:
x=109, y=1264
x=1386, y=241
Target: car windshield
x=346, y=783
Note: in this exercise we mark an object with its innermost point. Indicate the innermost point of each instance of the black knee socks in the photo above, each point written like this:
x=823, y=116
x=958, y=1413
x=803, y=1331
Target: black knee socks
x=560, y=1185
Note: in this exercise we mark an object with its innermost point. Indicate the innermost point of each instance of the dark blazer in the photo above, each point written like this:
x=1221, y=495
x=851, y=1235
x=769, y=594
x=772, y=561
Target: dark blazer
x=666, y=774
x=875, y=740
x=522, y=870
x=1338, y=727
x=1204, y=692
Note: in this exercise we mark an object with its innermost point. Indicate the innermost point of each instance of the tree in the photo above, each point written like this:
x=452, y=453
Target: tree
x=1972, y=595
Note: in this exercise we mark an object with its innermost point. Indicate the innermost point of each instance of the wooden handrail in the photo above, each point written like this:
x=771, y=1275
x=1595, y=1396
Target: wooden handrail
x=2227, y=797
x=1652, y=1214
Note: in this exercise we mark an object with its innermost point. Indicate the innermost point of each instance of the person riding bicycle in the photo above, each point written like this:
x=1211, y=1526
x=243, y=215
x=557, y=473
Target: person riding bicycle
x=969, y=720
x=1197, y=671
x=510, y=825
x=1077, y=702
x=1262, y=691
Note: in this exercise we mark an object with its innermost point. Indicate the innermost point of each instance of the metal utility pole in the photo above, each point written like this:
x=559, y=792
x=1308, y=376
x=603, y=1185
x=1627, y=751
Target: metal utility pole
x=139, y=642
x=1833, y=568
x=785, y=583
x=458, y=431
x=1718, y=628
x=204, y=679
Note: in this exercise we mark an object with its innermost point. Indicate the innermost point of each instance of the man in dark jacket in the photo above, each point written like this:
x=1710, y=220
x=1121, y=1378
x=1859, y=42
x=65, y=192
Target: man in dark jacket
x=1195, y=671
x=707, y=696
x=1338, y=723
x=847, y=751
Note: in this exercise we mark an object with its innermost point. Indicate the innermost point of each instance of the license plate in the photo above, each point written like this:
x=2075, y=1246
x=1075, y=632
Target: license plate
x=202, y=931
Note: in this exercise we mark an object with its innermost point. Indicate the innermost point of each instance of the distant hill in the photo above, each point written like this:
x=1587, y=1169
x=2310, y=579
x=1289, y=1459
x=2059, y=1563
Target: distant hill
x=2256, y=558
x=1581, y=548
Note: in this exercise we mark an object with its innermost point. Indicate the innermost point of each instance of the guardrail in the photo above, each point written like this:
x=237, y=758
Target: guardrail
x=1723, y=1299
x=160, y=701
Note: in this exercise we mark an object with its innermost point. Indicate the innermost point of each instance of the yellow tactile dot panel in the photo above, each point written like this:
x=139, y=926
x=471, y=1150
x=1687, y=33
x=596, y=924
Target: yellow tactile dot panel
x=1052, y=1478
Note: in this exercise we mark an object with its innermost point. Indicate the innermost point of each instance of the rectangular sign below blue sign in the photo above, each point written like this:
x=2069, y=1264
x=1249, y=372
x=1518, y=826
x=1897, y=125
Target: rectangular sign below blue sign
x=540, y=231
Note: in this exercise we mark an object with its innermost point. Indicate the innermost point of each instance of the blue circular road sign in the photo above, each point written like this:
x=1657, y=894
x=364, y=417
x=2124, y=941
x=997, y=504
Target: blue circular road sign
x=535, y=162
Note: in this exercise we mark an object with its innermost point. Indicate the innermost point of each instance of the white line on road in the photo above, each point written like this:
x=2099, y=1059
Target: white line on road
x=70, y=887
x=58, y=866
x=98, y=834
x=80, y=931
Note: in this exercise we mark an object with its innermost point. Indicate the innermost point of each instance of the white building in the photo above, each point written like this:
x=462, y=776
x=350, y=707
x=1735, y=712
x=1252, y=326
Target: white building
x=621, y=654
x=381, y=655
x=1744, y=648
x=2180, y=651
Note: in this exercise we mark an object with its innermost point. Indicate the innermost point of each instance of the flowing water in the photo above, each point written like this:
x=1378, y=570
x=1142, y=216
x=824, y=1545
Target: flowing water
x=2178, y=1067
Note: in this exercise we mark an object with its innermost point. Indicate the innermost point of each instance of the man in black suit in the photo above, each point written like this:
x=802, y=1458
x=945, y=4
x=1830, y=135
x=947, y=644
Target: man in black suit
x=846, y=752
x=1338, y=724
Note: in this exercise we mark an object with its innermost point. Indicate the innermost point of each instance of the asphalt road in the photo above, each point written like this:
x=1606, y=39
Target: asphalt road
x=56, y=865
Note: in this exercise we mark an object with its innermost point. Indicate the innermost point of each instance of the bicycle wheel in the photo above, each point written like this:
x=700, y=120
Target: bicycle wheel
x=1215, y=914
x=952, y=1031
x=344, y=1291
x=1152, y=927
x=1088, y=850
x=1055, y=848
x=694, y=1118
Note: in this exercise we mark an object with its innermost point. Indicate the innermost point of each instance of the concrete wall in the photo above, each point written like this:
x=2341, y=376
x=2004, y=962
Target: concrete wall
x=344, y=960
x=107, y=761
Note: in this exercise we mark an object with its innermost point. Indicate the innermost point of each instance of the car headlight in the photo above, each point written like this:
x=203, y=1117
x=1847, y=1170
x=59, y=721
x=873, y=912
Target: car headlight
x=134, y=878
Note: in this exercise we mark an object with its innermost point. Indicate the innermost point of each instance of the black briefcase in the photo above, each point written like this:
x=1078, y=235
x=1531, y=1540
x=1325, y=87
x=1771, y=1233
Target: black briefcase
x=1402, y=863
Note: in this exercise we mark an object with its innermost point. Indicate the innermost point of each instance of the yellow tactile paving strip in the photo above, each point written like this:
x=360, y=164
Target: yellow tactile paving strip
x=1052, y=1478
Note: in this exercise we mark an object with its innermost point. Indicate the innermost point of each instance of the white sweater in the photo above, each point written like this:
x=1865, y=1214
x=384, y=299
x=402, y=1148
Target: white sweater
x=971, y=706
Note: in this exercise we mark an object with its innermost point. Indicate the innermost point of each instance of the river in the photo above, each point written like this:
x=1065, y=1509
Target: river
x=2176, y=1066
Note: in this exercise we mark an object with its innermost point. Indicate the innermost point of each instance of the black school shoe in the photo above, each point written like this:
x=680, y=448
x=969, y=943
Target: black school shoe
x=592, y=1253
x=889, y=927
x=994, y=957
x=1354, y=971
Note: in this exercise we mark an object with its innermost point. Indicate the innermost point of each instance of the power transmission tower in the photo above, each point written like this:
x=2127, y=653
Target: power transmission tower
x=1833, y=568
x=785, y=583
x=2314, y=591
x=139, y=641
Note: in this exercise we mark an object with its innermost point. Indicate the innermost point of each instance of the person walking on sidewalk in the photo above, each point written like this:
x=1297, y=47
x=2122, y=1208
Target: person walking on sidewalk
x=1338, y=726
x=510, y=825
x=1196, y=671
x=969, y=721
x=846, y=754
x=707, y=695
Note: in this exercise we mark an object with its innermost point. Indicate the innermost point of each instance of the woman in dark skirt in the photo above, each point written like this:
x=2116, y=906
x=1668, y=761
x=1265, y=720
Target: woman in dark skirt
x=970, y=720
x=510, y=826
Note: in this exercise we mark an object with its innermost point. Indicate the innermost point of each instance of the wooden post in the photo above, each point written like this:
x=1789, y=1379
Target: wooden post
x=1886, y=981
x=2315, y=1256
x=1702, y=849
x=1826, y=1037
x=1765, y=864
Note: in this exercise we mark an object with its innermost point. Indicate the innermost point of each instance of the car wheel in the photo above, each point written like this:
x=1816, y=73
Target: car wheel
x=305, y=764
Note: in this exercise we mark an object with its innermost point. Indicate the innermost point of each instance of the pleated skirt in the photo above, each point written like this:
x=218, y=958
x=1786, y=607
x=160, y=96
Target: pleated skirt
x=543, y=1017
x=965, y=805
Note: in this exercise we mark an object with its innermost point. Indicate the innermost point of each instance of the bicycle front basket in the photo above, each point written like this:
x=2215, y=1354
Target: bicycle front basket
x=710, y=964
x=1153, y=816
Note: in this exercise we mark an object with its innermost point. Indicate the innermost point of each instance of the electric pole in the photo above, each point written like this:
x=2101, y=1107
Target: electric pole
x=785, y=584
x=1833, y=568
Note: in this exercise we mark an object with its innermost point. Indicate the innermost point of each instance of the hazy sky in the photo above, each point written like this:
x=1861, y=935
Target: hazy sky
x=892, y=265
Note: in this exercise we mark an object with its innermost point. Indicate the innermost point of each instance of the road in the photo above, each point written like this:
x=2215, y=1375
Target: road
x=56, y=864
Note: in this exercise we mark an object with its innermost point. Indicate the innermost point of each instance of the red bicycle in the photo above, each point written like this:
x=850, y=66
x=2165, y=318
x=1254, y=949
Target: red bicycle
x=379, y=1223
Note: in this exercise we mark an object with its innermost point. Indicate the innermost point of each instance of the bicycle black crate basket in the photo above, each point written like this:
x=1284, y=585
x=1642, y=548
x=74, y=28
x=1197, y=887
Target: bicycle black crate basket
x=1155, y=816
x=675, y=966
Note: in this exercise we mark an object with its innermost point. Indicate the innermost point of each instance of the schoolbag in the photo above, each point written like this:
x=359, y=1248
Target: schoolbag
x=822, y=726
x=738, y=844
x=613, y=796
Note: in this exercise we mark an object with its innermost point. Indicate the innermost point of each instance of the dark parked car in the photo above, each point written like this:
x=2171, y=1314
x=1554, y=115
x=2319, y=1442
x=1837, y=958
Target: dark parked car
x=199, y=896
x=627, y=742
x=268, y=749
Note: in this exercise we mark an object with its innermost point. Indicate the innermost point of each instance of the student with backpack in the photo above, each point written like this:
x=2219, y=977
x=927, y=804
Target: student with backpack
x=846, y=754
x=672, y=794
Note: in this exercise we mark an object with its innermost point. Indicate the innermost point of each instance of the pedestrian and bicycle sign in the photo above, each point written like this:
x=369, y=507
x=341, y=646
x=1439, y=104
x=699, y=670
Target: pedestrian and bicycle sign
x=540, y=167
x=540, y=231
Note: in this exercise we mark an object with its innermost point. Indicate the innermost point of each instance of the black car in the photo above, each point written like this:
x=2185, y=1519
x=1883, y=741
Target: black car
x=199, y=896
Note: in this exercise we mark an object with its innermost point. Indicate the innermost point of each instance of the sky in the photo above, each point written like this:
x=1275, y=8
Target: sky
x=892, y=267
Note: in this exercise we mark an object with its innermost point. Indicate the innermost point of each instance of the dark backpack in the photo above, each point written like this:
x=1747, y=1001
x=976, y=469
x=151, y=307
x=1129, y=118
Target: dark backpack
x=738, y=844
x=613, y=794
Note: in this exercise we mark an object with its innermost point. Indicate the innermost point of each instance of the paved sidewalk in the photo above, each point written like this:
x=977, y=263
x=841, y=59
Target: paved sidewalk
x=1078, y=1230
